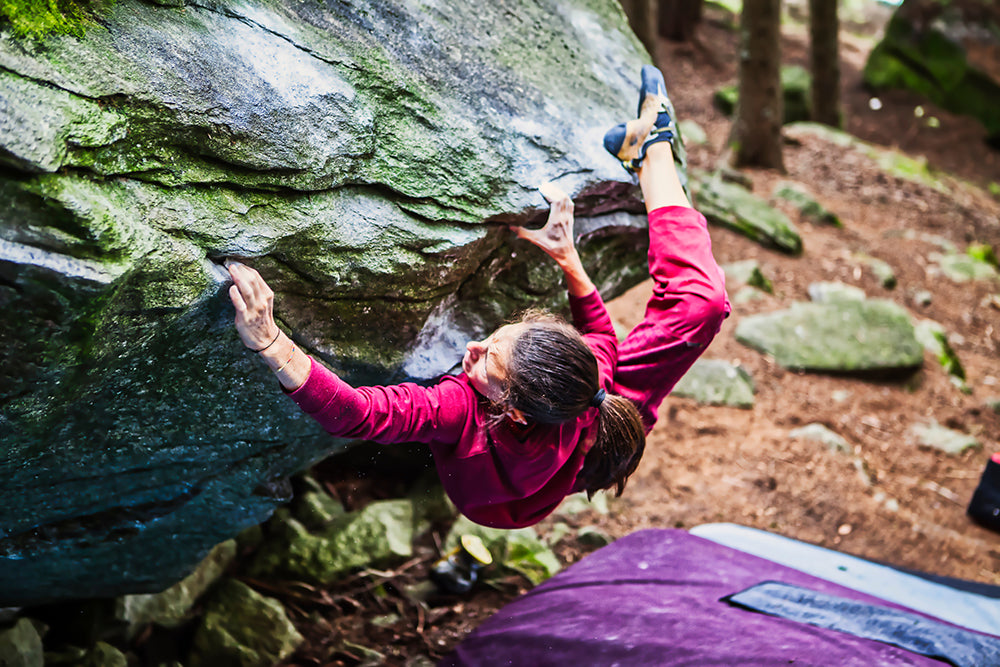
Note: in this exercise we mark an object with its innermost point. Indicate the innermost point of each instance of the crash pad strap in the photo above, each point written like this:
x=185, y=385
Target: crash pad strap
x=909, y=631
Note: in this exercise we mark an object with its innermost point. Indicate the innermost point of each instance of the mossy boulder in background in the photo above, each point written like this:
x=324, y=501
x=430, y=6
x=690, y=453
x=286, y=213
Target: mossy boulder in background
x=366, y=157
x=930, y=58
x=244, y=628
x=373, y=536
x=734, y=207
x=870, y=337
x=717, y=382
x=795, y=84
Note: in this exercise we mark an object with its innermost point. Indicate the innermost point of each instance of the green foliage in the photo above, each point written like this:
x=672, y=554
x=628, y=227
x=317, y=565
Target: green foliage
x=37, y=18
x=984, y=253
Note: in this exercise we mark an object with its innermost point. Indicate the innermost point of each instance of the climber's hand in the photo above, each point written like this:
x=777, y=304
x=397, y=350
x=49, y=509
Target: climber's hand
x=556, y=237
x=254, y=304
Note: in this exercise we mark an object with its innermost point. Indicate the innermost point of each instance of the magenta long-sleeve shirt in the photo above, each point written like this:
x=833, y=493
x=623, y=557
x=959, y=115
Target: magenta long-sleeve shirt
x=501, y=475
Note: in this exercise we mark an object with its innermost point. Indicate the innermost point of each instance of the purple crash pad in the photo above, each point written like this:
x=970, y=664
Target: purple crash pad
x=653, y=598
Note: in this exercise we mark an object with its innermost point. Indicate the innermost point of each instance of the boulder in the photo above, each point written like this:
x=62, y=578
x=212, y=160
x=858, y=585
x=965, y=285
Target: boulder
x=171, y=607
x=880, y=268
x=717, y=382
x=936, y=436
x=241, y=627
x=795, y=84
x=748, y=272
x=803, y=200
x=366, y=157
x=380, y=533
x=963, y=268
x=21, y=645
x=934, y=338
x=871, y=337
x=931, y=59
x=833, y=291
x=732, y=206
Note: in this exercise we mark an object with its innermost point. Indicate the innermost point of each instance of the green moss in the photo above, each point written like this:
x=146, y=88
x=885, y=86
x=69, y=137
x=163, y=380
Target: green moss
x=795, y=84
x=37, y=18
x=984, y=253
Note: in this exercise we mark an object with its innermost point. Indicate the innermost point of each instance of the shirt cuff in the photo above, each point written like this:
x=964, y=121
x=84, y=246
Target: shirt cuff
x=320, y=387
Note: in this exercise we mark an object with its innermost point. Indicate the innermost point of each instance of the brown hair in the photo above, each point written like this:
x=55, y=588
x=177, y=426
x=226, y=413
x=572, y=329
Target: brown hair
x=552, y=377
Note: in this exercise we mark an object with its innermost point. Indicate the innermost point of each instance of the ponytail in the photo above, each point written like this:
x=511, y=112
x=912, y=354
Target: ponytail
x=621, y=441
x=552, y=377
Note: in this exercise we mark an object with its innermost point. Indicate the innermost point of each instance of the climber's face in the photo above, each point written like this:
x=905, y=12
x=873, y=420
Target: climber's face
x=485, y=361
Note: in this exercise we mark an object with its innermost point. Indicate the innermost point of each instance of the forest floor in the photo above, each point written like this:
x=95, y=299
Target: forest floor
x=720, y=464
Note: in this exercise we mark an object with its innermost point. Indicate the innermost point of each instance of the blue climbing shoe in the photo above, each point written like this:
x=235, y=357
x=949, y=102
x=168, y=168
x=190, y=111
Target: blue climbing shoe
x=653, y=99
x=629, y=141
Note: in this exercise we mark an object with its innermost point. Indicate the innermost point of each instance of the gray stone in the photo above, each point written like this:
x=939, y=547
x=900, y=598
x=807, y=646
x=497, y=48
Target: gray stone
x=430, y=503
x=21, y=645
x=171, y=607
x=717, y=382
x=963, y=268
x=577, y=503
x=832, y=292
x=313, y=506
x=103, y=654
x=873, y=336
x=748, y=272
x=594, y=538
x=923, y=298
x=883, y=272
x=380, y=533
x=735, y=208
x=419, y=661
x=795, y=82
x=367, y=657
x=747, y=295
x=806, y=203
x=939, y=437
x=693, y=133
x=244, y=628
x=821, y=434
x=364, y=156
x=934, y=338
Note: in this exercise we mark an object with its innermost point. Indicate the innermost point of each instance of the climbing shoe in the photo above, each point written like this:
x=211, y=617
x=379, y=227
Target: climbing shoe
x=629, y=141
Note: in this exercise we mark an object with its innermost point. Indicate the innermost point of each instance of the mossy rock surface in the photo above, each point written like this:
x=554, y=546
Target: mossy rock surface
x=365, y=157
x=717, y=382
x=795, y=84
x=931, y=60
x=732, y=206
x=243, y=628
x=851, y=336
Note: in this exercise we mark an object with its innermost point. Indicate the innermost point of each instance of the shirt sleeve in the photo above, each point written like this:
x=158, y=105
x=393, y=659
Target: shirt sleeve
x=405, y=412
x=591, y=318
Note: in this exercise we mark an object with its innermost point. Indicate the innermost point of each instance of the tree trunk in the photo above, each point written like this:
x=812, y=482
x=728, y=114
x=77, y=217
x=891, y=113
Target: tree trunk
x=756, y=134
x=642, y=18
x=824, y=62
x=679, y=19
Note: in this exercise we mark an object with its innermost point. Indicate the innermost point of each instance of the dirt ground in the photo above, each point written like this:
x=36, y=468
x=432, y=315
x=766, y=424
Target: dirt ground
x=717, y=464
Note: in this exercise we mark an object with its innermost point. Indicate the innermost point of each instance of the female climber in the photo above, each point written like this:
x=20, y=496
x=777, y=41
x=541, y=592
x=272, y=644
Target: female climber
x=541, y=408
